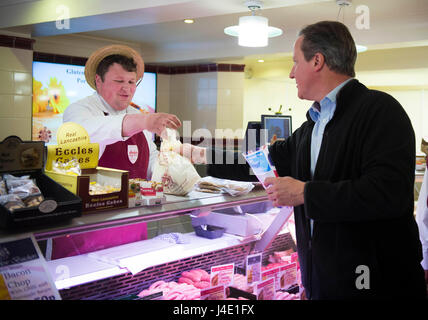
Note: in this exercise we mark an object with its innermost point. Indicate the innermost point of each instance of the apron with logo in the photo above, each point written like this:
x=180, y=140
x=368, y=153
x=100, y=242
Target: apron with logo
x=132, y=155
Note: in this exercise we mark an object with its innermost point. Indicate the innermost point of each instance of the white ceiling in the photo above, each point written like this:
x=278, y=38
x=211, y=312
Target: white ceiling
x=156, y=26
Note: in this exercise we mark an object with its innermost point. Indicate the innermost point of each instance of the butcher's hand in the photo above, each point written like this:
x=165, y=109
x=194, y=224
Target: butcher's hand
x=153, y=122
x=285, y=191
x=196, y=155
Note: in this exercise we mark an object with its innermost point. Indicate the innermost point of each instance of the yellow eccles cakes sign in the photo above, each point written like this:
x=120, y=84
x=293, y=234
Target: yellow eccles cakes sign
x=74, y=147
x=73, y=143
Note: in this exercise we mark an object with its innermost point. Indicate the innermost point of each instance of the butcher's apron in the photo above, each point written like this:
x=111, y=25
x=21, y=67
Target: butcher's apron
x=132, y=155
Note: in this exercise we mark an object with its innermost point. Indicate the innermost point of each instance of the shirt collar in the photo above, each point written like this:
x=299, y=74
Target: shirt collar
x=108, y=108
x=327, y=105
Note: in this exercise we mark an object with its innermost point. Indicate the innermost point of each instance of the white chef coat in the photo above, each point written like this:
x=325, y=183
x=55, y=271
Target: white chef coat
x=90, y=113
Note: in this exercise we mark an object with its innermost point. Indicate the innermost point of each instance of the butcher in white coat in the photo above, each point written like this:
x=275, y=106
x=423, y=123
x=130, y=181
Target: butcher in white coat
x=123, y=132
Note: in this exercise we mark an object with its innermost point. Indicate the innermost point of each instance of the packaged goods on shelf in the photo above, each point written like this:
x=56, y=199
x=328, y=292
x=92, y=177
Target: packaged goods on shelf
x=28, y=196
x=145, y=193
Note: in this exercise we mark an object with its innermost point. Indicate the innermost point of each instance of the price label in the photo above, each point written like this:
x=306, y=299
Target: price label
x=213, y=293
x=253, y=268
x=222, y=275
x=23, y=272
x=265, y=290
x=288, y=275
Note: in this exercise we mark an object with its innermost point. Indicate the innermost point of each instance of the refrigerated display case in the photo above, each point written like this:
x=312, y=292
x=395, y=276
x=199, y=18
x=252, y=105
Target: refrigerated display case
x=119, y=253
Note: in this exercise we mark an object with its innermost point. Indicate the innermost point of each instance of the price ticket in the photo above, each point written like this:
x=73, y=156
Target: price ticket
x=23, y=272
x=222, y=274
x=253, y=268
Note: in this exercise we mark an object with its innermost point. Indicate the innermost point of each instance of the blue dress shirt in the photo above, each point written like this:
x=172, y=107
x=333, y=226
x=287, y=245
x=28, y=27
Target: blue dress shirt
x=321, y=113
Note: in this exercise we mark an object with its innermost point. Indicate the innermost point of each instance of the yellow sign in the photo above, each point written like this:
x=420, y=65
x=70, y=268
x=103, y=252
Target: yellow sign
x=73, y=143
x=71, y=132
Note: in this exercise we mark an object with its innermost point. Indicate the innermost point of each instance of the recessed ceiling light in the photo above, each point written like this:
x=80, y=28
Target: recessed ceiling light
x=260, y=60
x=189, y=20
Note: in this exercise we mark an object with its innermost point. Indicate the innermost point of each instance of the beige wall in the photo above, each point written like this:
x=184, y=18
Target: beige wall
x=208, y=100
x=267, y=85
x=162, y=96
x=15, y=92
x=230, y=97
x=193, y=97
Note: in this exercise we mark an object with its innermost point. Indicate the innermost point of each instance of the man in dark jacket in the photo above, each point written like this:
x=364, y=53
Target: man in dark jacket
x=349, y=173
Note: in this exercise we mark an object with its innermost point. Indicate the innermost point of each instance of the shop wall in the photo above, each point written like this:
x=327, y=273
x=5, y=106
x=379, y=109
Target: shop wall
x=409, y=87
x=267, y=85
x=206, y=100
x=230, y=96
x=193, y=98
x=15, y=92
x=163, y=93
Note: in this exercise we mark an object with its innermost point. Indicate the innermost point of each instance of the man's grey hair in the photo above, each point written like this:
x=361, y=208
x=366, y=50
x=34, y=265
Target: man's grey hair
x=334, y=41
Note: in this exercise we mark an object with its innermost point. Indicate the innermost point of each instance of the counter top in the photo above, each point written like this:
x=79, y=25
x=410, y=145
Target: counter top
x=174, y=205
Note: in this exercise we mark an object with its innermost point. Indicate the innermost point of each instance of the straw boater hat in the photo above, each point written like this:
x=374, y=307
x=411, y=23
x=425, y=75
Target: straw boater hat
x=100, y=54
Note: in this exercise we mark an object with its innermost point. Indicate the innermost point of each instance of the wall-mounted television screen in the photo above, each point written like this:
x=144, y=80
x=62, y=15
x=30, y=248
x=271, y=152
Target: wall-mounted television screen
x=56, y=86
x=280, y=125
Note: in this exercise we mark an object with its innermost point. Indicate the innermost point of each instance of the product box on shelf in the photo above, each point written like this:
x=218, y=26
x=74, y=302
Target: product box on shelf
x=145, y=193
x=99, y=188
x=28, y=196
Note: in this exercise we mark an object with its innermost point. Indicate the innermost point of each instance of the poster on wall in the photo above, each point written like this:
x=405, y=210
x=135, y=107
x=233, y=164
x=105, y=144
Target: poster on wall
x=56, y=86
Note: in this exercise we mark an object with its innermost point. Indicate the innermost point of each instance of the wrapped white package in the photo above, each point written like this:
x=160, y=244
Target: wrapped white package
x=216, y=185
x=176, y=172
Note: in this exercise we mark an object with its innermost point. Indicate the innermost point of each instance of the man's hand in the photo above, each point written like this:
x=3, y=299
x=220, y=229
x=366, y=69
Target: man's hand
x=194, y=154
x=285, y=191
x=274, y=138
x=153, y=122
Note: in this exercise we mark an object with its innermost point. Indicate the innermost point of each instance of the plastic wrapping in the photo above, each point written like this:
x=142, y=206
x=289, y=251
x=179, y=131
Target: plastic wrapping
x=11, y=202
x=25, y=190
x=19, y=192
x=177, y=173
x=71, y=167
x=96, y=188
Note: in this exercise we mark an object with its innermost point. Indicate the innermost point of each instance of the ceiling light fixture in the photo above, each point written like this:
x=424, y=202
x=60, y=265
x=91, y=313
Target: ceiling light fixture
x=343, y=4
x=188, y=20
x=253, y=31
x=260, y=60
